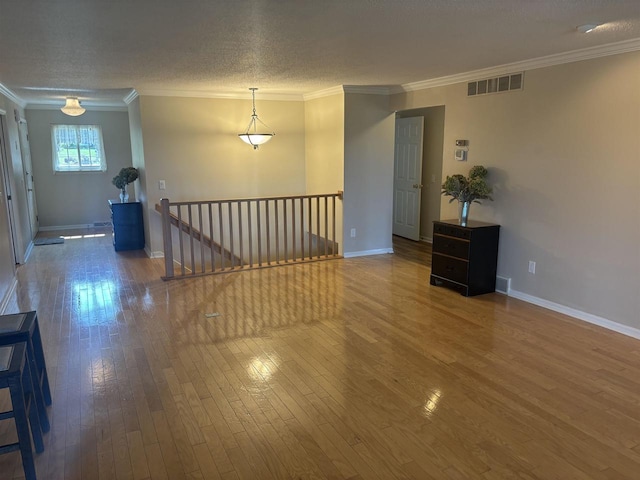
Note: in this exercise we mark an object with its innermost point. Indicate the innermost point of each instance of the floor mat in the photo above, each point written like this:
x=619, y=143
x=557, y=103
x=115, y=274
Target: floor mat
x=48, y=241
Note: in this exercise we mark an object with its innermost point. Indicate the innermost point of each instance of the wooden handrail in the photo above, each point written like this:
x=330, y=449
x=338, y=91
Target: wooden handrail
x=339, y=194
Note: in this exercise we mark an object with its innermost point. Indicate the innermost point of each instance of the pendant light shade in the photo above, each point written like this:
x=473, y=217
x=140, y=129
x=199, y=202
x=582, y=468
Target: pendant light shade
x=251, y=136
x=72, y=107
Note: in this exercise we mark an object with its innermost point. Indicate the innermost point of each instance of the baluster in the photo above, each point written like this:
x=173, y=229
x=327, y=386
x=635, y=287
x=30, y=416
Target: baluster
x=301, y=228
x=318, y=227
x=333, y=219
x=230, y=213
x=221, y=223
x=250, y=235
x=202, y=267
x=166, y=237
x=326, y=226
x=285, y=221
x=259, y=220
x=310, y=222
x=190, y=227
x=240, y=233
x=277, y=213
x=212, y=243
x=268, y=233
x=180, y=230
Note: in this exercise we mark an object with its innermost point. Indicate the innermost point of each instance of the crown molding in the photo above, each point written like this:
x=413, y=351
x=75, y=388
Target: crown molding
x=366, y=90
x=131, y=96
x=12, y=96
x=283, y=97
x=327, y=92
x=532, y=64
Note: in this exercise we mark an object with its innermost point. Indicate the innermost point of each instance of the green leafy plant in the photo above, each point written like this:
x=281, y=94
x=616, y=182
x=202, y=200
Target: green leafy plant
x=468, y=189
x=126, y=176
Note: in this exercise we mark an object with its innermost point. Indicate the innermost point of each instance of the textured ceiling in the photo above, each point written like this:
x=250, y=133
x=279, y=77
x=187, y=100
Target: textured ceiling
x=100, y=49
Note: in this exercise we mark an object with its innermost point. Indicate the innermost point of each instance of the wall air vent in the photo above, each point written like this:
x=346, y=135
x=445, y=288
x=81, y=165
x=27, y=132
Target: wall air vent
x=504, y=83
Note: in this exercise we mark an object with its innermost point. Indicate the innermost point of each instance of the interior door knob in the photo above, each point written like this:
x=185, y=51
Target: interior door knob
x=417, y=185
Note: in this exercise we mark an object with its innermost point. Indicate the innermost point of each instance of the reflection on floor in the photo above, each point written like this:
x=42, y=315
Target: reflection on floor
x=354, y=369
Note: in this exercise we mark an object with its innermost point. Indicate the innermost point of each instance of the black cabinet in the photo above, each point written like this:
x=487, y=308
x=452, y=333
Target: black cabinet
x=465, y=258
x=128, y=229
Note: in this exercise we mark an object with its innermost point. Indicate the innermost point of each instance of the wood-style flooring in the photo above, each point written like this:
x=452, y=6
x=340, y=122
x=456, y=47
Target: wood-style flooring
x=345, y=369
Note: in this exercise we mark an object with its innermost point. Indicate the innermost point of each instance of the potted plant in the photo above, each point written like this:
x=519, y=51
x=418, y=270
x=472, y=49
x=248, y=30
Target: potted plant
x=126, y=176
x=467, y=190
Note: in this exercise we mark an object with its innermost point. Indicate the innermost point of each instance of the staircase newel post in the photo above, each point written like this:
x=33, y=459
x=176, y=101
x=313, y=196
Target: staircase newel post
x=166, y=238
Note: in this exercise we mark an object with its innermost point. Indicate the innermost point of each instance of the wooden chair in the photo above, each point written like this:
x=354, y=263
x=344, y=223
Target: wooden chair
x=15, y=375
x=23, y=327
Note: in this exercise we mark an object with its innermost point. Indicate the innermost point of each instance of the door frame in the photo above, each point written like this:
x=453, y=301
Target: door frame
x=6, y=182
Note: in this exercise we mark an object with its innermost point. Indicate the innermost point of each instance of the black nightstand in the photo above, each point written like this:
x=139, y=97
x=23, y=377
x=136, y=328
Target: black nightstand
x=128, y=229
x=465, y=258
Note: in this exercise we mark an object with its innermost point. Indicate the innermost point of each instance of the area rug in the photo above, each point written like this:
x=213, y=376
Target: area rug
x=48, y=241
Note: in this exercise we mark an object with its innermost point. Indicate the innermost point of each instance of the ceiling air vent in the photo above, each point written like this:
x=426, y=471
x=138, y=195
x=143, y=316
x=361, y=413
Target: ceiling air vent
x=501, y=84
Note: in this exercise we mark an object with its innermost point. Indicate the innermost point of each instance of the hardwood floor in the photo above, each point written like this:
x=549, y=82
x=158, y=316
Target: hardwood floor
x=354, y=369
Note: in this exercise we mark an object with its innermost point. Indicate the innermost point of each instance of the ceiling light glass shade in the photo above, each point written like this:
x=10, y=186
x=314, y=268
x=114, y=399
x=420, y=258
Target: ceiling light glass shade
x=256, y=139
x=251, y=136
x=72, y=107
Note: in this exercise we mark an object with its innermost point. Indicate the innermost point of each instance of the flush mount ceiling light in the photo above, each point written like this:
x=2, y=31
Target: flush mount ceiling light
x=72, y=107
x=589, y=27
x=251, y=136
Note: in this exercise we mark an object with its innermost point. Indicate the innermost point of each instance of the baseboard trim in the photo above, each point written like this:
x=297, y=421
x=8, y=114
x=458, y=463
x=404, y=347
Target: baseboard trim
x=5, y=301
x=578, y=314
x=66, y=227
x=28, y=252
x=364, y=253
x=426, y=239
x=150, y=254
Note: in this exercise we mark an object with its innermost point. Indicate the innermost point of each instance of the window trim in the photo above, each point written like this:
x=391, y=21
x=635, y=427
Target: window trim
x=56, y=164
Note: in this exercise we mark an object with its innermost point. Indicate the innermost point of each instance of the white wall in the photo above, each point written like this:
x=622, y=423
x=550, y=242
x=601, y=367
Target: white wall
x=368, y=173
x=76, y=198
x=193, y=144
x=564, y=160
x=137, y=158
x=324, y=152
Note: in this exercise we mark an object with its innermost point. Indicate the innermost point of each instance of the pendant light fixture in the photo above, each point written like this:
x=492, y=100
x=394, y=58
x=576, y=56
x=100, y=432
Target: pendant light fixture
x=72, y=107
x=251, y=136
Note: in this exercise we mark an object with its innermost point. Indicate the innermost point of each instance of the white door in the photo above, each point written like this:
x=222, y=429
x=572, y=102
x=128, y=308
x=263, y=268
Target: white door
x=7, y=222
x=27, y=170
x=407, y=177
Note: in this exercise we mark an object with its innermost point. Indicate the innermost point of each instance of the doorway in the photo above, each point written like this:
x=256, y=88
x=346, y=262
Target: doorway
x=431, y=168
x=7, y=237
x=27, y=171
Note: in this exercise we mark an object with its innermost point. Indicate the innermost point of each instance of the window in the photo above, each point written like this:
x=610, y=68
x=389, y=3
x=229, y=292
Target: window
x=78, y=148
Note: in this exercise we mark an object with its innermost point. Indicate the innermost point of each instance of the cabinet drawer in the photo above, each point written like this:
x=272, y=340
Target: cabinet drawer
x=451, y=230
x=450, y=268
x=451, y=246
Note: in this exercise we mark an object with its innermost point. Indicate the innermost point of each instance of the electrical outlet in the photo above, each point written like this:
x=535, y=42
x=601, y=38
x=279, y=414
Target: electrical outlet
x=353, y=233
x=532, y=267
x=162, y=185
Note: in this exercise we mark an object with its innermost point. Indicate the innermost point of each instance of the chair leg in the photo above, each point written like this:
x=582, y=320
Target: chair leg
x=42, y=366
x=22, y=426
x=32, y=407
x=37, y=391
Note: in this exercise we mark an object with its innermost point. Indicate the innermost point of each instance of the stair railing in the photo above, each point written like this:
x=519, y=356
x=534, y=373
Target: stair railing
x=218, y=236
